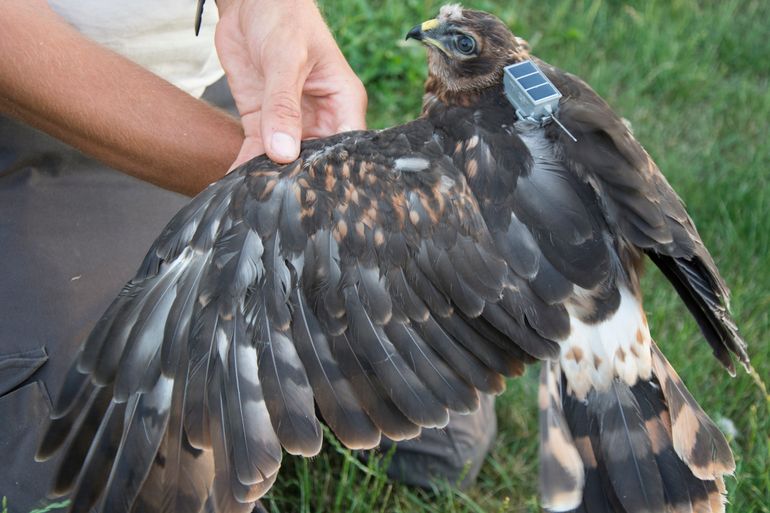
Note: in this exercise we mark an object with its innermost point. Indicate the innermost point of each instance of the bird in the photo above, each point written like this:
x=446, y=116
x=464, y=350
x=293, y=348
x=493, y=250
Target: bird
x=387, y=277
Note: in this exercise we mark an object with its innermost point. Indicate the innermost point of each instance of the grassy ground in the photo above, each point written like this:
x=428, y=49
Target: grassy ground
x=692, y=77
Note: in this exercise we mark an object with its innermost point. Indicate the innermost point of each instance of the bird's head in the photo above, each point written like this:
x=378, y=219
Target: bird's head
x=467, y=49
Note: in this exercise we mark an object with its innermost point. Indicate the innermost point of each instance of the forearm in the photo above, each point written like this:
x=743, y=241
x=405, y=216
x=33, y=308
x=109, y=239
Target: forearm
x=105, y=105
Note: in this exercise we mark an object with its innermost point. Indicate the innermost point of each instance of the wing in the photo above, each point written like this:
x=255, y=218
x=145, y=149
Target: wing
x=549, y=217
x=360, y=280
x=545, y=221
x=644, y=210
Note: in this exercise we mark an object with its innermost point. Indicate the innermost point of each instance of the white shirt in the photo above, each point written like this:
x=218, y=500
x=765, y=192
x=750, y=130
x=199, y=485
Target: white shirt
x=156, y=34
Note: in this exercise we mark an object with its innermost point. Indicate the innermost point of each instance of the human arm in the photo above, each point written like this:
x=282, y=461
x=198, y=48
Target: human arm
x=59, y=81
x=289, y=79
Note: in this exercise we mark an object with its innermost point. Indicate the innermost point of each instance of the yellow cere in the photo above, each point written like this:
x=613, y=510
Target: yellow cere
x=428, y=25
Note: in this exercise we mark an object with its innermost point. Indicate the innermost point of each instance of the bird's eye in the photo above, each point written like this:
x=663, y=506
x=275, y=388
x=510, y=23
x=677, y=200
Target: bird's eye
x=465, y=44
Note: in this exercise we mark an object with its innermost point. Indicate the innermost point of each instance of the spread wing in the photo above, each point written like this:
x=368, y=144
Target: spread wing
x=353, y=280
x=643, y=208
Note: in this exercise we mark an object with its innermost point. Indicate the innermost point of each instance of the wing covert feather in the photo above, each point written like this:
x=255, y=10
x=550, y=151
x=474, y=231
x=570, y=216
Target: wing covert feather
x=361, y=278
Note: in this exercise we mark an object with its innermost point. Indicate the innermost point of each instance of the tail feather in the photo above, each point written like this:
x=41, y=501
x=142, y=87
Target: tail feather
x=561, y=468
x=717, y=494
x=683, y=490
x=643, y=448
x=626, y=449
x=697, y=440
x=598, y=496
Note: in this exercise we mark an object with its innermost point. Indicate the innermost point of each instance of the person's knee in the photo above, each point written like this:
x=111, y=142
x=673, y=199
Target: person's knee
x=453, y=454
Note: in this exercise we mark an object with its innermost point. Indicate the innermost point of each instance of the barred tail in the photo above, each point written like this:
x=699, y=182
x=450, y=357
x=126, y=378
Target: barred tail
x=630, y=449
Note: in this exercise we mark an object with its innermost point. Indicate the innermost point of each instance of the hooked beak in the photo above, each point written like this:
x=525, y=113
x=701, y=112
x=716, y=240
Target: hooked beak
x=415, y=33
x=424, y=32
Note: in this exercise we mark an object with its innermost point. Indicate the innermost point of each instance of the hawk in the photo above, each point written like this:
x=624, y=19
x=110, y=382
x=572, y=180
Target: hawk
x=387, y=276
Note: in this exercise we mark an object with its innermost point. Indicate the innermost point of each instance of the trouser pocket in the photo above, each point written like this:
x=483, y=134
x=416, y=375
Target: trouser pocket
x=24, y=412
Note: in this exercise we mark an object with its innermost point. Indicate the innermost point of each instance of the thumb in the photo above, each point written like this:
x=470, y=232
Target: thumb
x=281, y=113
x=351, y=111
x=251, y=147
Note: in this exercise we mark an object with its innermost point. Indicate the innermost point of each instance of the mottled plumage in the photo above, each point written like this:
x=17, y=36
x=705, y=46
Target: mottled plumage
x=381, y=280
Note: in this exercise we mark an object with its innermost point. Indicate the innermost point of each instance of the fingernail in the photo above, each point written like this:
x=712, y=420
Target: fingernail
x=284, y=145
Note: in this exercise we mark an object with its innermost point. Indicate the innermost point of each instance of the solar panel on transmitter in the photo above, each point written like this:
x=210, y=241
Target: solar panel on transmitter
x=530, y=92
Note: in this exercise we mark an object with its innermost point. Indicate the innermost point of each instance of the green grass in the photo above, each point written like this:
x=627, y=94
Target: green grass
x=692, y=77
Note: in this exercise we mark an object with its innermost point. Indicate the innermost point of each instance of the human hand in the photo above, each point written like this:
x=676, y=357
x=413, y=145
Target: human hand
x=289, y=79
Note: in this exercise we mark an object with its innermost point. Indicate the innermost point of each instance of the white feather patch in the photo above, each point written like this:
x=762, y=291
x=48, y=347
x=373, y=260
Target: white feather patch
x=620, y=346
x=411, y=164
x=452, y=12
x=446, y=184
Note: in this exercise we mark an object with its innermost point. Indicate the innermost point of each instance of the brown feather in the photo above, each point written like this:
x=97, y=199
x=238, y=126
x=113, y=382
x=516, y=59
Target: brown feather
x=561, y=467
x=696, y=438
